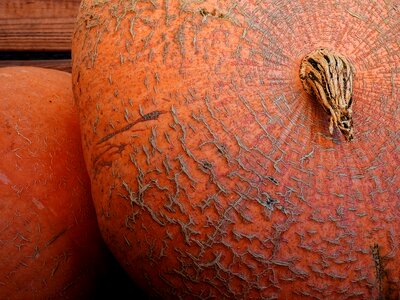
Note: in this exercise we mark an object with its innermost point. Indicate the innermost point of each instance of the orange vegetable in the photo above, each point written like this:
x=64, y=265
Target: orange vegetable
x=50, y=245
x=214, y=173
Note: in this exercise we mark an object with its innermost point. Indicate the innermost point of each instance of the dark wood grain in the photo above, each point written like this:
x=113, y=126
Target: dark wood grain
x=58, y=64
x=40, y=25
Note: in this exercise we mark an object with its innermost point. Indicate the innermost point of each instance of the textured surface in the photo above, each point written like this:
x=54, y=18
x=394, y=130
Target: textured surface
x=50, y=245
x=328, y=77
x=39, y=25
x=214, y=174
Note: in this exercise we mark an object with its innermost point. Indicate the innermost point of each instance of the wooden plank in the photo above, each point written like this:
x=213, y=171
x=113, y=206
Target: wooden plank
x=40, y=25
x=58, y=64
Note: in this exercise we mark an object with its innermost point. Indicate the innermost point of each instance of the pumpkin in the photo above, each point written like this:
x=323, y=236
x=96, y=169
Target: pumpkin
x=50, y=244
x=214, y=173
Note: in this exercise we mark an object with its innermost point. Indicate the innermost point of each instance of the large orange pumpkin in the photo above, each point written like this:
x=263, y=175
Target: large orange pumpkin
x=213, y=172
x=50, y=245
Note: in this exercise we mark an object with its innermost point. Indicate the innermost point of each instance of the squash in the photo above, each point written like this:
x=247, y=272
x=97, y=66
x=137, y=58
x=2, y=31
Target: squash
x=50, y=244
x=214, y=173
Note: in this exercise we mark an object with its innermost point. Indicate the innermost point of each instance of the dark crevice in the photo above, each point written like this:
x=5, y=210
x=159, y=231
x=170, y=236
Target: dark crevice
x=34, y=55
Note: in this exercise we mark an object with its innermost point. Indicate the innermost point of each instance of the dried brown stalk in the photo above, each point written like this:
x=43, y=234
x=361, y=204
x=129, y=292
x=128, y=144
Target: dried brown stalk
x=329, y=76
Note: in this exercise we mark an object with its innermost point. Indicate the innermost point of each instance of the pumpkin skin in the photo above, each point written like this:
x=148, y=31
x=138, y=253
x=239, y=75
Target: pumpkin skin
x=213, y=172
x=50, y=244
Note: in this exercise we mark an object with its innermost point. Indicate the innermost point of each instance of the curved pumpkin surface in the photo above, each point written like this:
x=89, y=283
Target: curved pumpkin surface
x=50, y=244
x=213, y=172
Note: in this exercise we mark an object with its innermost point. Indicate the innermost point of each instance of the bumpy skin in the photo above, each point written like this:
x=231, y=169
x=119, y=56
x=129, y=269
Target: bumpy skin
x=213, y=172
x=50, y=245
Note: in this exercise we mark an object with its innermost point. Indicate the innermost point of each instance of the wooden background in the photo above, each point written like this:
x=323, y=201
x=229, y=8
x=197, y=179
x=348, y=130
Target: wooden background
x=37, y=32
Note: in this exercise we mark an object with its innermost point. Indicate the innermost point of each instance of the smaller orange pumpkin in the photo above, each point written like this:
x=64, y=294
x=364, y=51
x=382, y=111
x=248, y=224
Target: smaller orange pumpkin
x=50, y=245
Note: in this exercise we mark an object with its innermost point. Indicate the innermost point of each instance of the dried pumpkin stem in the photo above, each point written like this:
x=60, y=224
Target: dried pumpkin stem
x=329, y=77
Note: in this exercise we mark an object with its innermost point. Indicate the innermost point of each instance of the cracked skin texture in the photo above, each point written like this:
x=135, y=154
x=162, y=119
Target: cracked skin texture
x=50, y=244
x=213, y=172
